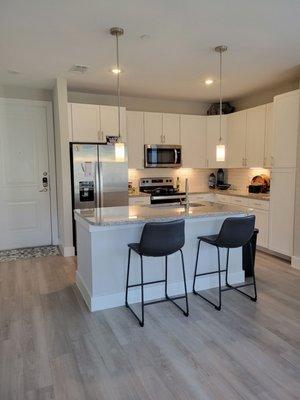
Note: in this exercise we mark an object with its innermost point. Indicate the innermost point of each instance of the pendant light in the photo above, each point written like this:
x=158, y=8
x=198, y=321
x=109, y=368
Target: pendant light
x=220, y=148
x=119, y=145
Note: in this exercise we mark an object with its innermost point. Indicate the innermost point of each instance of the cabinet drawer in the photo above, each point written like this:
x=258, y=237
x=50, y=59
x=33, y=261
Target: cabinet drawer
x=259, y=204
x=139, y=201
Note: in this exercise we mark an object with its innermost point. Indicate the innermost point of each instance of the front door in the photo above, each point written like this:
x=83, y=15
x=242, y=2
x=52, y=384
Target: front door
x=25, y=218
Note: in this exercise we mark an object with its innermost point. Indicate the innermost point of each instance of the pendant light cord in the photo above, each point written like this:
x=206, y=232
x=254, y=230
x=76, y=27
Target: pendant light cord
x=221, y=102
x=118, y=88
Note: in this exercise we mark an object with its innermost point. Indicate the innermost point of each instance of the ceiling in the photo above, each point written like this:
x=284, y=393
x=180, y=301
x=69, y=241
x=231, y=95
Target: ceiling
x=42, y=39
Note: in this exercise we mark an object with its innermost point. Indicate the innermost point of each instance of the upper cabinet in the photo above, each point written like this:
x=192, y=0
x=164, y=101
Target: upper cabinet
x=286, y=129
x=193, y=141
x=85, y=123
x=135, y=139
x=171, y=128
x=255, y=136
x=236, y=139
x=109, y=122
x=92, y=123
x=161, y=128
x=269, y=136
x=212, y=139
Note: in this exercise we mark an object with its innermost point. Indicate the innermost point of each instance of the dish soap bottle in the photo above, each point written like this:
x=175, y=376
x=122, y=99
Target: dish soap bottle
x=212, y=181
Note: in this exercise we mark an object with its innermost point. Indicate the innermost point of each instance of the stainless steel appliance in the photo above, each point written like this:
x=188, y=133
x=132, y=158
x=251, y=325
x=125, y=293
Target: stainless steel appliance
x=98, y=178
x=162, y=156
x=162, y=190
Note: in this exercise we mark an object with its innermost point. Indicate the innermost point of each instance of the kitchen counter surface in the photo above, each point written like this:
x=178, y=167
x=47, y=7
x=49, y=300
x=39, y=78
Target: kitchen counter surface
x=109, y=216
x=139, y=194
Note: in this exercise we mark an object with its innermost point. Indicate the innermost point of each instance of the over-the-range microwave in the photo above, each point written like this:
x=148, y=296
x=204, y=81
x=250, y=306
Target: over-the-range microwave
x=162, y=156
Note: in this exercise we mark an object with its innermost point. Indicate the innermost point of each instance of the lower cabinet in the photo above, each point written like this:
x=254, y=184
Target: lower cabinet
x=262, y=224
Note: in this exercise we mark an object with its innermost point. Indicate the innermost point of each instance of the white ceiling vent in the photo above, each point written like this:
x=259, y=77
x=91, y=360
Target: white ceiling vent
x=80, y=69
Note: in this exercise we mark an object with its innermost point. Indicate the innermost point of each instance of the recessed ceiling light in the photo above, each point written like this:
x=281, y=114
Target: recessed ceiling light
x=208, y=81
x=116, y=71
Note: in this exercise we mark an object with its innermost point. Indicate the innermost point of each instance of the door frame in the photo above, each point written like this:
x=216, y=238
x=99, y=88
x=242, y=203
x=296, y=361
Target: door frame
x=51, y=157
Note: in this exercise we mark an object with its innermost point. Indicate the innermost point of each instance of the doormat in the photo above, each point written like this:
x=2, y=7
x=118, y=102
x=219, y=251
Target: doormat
x=28, y=252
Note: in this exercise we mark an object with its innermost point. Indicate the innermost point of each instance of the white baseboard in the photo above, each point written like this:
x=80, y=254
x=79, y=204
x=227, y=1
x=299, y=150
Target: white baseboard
x=67, y=251
x=151, y=292
x=295, y=262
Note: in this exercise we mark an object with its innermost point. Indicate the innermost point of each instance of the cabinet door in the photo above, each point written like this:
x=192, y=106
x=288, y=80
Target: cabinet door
x=269, y=136
x=236, y=139
x=193, y=141
x=262, y=224
x=153, y=128
x=281, y=222
x=255, y=136
x=110, y=122
x=212, y=139
x=86, y=122
x=135, y=139
x=171, y=131
x=286, y=129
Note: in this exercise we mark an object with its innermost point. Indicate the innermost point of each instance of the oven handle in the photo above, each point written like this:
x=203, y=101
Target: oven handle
x=179, y=196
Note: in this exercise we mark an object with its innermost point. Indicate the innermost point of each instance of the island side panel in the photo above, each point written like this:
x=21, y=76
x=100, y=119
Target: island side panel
x=108, y=263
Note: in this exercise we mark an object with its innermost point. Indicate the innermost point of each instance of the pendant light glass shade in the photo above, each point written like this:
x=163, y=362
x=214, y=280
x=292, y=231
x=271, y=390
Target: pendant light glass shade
x=220, y=153
x=220, y=148
x=119, y=151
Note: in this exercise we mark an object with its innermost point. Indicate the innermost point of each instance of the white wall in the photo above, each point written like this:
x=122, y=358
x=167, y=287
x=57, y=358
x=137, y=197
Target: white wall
x=64, y=203
x=24, y=93
x=140, y=103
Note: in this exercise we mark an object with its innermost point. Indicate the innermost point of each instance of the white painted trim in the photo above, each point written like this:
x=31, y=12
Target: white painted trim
x=67, y=251
x=295, y=262
x=151, y=292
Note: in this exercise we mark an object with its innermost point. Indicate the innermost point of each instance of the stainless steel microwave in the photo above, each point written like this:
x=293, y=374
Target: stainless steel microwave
x=162, y=156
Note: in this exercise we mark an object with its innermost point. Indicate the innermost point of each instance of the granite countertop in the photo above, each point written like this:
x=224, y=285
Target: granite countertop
x=109, y=216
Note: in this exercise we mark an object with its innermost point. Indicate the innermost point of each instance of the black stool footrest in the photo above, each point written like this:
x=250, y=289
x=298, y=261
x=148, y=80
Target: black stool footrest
x=210, y=273
x=147, y=283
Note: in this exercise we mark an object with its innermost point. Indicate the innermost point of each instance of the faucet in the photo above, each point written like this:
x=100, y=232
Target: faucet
x=186, y=203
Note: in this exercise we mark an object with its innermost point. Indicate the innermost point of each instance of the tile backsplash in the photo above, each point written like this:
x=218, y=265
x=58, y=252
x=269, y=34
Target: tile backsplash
x=239, y=178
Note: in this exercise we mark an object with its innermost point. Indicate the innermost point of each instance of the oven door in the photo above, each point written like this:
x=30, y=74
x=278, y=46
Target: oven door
x=162, y=156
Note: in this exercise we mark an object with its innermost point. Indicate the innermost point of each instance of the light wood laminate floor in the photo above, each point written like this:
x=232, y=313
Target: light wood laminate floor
x=52, y=347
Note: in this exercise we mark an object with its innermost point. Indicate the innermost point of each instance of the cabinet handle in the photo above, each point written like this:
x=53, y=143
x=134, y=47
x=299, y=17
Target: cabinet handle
x=272, y=161
x=245, y=162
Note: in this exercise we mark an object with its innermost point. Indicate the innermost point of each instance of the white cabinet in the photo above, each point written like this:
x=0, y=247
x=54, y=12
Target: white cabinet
x=161, y=128
x=193, y=141
x=85, y=122
x=153, y=128
x=212, y=139
x=109, y=122
x=135, y=139
x=255, y=136
x=286, y=129
x=262, y=224
x=92, y=123
x=171, y=128
x=269, y=136
x=236, y=139
x=282, y=201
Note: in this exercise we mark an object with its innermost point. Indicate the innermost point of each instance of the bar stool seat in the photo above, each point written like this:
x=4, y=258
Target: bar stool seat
x=159, y=239
x=235, y=232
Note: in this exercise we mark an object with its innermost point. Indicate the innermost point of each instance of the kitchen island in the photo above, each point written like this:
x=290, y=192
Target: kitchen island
x=103, y=235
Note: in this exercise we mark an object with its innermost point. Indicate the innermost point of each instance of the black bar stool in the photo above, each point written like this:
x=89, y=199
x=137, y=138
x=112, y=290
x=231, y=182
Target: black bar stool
x=159, y=239
x=235, y=232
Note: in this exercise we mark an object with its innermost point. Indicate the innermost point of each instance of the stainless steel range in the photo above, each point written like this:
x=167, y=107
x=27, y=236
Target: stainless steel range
x=162, y=190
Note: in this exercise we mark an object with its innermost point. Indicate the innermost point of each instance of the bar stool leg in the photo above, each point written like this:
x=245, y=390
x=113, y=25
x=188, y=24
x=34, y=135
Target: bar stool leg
x=141, y=321
x=217, y=306
x=186, y=311
x=237, y=288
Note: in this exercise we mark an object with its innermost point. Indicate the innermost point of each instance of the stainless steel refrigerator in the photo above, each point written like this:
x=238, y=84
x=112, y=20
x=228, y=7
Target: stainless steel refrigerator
x=99, y=178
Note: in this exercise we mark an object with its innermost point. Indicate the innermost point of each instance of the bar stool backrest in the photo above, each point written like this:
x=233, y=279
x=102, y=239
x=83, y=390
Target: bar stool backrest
x=236, y=231
x=162, y=238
